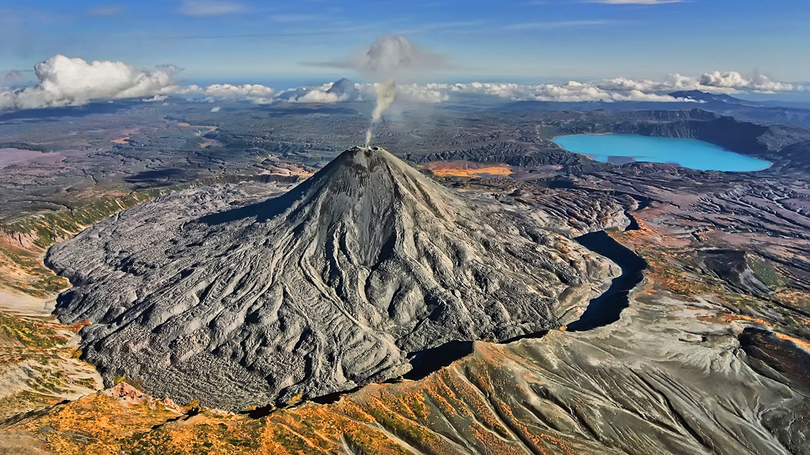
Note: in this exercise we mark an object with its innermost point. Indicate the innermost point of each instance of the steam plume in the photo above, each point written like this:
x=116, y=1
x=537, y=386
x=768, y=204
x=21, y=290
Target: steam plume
x=386, y=95
x=393, y=57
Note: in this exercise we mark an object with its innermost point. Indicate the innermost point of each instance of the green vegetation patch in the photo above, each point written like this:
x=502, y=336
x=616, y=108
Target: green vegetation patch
x=51, y=227
x=29, y=332
x=765, y=272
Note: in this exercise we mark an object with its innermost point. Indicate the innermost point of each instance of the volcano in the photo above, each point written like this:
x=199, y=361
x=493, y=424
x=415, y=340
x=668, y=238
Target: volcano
x=332, y=285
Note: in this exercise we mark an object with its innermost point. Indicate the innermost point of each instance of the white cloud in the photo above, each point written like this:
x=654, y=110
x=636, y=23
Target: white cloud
x=735, y=81
x=572, y=92
x=624, y=84
x=430, y=93
x=203, y=8
x=716, y=81
x=255, y=93
x=246, y=91
x=333, y=92
x=215, y=109
x=343, y=90
x=312, y=95
x=318, y=96
x=608, y=90
x=67, y=81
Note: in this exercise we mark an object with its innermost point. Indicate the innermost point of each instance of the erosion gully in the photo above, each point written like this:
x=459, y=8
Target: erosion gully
x=601, y=311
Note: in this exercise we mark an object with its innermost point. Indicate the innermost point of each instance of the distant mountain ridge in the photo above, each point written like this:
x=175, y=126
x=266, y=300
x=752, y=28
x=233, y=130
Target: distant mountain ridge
x=706, y=97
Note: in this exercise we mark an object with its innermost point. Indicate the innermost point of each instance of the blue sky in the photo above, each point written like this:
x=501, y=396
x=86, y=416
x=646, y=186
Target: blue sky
x=523, y=40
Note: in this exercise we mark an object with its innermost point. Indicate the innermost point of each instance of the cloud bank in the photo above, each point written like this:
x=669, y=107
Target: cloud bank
x=67, y=81
x=571, y=92
x=334, y=92
x=256, y=93
x=719, y=82
x=733, y=80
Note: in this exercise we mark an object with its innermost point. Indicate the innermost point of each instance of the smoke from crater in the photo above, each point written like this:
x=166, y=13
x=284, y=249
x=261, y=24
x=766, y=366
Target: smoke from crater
x=393, y=57
x=386, y=95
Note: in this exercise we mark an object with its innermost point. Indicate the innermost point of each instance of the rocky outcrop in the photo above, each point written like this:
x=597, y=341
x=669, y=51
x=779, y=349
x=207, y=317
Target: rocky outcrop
x=335, y=284
x=741, y=137
x=540, y=153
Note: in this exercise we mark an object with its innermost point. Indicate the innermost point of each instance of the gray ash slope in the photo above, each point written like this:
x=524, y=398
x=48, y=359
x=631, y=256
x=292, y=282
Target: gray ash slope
x=327, y=287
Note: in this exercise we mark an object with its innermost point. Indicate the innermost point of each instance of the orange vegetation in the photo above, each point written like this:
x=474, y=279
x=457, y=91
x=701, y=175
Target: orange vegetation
x=481, y=398
x=468, y=169
x=728, y=318
x=797, y=341
x=207, y=128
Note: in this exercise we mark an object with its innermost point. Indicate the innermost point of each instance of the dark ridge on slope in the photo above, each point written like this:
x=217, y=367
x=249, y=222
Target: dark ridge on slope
x=741, y=137
x=776, y=358
x=706, y=97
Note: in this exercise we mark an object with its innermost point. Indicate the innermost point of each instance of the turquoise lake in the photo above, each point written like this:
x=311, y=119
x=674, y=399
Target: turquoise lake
x=691, y=153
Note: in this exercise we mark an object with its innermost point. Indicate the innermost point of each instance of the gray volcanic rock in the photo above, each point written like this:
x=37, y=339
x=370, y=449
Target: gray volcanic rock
x=327, y=287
